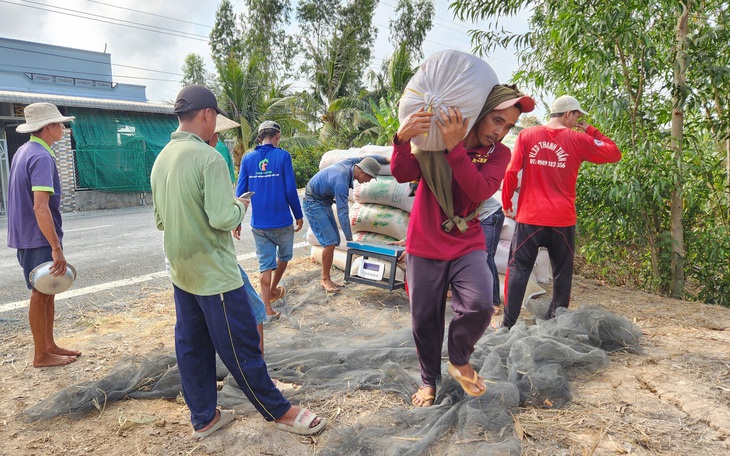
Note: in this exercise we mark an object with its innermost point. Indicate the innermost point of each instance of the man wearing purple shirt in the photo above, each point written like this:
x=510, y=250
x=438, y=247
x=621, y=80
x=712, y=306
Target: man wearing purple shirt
x=34, y=222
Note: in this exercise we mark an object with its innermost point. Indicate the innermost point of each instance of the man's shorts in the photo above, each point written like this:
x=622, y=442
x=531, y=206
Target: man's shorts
x=257, y=305
x=273, y=244
x=322, y=222
x=30, y=258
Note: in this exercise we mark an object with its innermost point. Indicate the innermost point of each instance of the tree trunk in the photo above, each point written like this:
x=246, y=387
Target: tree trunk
x=677, y=144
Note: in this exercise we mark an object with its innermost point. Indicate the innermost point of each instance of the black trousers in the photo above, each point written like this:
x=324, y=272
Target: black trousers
x=560, y=243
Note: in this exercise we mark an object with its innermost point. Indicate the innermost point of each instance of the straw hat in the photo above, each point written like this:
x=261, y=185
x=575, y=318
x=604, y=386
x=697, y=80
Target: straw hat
x=38, y=115
x=224, y=123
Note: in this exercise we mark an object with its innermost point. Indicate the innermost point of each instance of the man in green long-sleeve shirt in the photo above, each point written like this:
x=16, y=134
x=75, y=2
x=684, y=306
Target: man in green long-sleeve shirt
x=195, y=206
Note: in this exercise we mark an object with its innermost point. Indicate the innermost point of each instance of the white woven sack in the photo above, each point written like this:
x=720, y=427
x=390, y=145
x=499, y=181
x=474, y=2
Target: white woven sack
x=447, y=79
x=543, y=269
x=350, y=203
x=501, y=256
x=385, y=151
x=312, y=239
x=508, y=229
x=384, y=190
x=339, y=259
x=335, y=156
x=379, y=219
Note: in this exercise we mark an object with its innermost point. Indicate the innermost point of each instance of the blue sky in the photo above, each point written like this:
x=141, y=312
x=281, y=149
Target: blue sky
x=155, y=59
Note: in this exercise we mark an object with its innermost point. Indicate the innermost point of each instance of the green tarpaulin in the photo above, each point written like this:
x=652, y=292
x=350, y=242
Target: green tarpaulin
x=115, y=150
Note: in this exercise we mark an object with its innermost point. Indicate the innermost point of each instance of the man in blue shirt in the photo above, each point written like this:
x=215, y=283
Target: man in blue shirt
x=268, y=172
x=34, y=222
x=328, y=186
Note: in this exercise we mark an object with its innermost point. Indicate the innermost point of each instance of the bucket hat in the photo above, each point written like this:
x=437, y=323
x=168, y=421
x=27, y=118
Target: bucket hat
x=38, y=115
x=369, y=166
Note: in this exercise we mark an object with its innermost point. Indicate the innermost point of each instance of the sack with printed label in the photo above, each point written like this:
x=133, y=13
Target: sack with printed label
x=377, y=218
x=384, y=190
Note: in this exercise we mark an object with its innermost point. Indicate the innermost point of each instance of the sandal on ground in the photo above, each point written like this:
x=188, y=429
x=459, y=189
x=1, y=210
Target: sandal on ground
x=425, y=398
x=283, y=386
x=282, y=292
x=225, y=417
x=274, y=317
x=465, y=381
x=302, y=422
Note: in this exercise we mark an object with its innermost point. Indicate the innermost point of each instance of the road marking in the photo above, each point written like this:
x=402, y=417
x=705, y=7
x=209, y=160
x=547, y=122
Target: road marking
x=116, y=284
x=90, y=228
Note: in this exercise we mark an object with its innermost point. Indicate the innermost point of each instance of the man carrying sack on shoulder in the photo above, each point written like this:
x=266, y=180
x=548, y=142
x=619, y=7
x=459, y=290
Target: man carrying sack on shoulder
x=445, y=242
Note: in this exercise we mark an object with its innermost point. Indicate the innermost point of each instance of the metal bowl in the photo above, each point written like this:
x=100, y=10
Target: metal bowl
x=42, y=280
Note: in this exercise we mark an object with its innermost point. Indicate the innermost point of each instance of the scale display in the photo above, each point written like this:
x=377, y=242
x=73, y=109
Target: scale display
x=371, y=269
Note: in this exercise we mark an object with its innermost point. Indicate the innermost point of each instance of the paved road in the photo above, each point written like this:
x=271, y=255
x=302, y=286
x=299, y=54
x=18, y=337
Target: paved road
x=107, y=247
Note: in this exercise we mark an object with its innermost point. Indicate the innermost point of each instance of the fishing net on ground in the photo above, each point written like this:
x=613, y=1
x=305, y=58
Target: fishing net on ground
x=361, y=340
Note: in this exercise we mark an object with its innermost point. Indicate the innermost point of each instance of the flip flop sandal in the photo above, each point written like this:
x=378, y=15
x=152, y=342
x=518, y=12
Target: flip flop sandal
x=424, y=398
x=282, y=292
x=302, y=422
x=465, y=382
x=225, y=417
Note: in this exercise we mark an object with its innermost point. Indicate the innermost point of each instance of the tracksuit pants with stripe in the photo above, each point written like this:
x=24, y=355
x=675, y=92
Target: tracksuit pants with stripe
x=560, y=243
x=471, y=300
x=222, y=323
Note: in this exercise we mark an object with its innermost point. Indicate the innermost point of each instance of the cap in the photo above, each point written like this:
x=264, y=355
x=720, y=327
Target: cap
x=223, y=123
x=269, y=124
x=369, y=166
x=38, y=115
x=526, y=103
x=196, y=97
x=566, y=103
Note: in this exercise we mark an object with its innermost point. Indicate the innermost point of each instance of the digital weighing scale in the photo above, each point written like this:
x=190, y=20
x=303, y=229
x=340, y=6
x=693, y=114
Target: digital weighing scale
x=372, y=269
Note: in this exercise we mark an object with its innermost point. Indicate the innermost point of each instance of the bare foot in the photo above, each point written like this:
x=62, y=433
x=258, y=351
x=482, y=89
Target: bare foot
x=423, y=397
x=329, y=286
x=50, y=360
x=63, y=351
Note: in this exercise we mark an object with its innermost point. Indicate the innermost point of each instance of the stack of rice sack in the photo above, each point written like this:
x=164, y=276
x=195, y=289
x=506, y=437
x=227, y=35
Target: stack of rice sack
x=379, y=209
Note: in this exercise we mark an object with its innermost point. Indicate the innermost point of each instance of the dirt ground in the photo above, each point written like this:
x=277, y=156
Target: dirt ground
x=671, y=399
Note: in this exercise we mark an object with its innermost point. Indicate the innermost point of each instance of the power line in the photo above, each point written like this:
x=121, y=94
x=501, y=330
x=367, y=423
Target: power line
x=108, y=20
x=150, y=14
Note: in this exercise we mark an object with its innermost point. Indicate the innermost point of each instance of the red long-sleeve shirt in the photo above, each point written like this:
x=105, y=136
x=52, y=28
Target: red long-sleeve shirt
x=549, y=159
x=477, y=175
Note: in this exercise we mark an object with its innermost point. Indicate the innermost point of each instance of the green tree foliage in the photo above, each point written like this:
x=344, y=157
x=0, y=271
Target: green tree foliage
x=263, y=30
x=248, y=99
x=225, y=38
x=337, y=39
x=414, y=19
x=655, y=77
x=194, y=71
